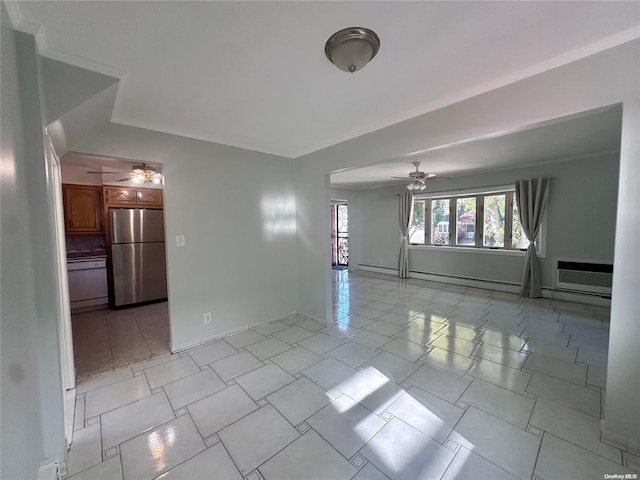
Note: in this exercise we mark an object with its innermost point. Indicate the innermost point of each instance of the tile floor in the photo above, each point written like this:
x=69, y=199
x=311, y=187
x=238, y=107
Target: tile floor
x=416, y=381
x=105, y=340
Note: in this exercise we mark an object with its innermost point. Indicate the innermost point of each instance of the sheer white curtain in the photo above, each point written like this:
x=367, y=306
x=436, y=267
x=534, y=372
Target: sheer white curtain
x=531, y=196
x=406, y=211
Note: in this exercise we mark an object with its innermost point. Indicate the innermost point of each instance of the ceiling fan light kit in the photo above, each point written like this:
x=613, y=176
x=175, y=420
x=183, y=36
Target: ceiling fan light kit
x=352, y=48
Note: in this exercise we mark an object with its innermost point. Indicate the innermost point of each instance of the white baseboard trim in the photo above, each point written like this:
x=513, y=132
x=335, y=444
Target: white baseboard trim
x=324, y=323
x=373, y=268
x=547, y=292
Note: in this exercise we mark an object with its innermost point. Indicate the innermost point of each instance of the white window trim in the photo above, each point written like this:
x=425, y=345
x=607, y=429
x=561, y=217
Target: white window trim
x=541, y=241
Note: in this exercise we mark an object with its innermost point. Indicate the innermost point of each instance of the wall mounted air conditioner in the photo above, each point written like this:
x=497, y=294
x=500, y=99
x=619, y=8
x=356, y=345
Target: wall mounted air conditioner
x=589, y=276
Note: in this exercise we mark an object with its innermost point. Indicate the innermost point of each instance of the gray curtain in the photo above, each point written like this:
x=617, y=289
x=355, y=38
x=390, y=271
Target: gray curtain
x=531, y=196
x=406, y=210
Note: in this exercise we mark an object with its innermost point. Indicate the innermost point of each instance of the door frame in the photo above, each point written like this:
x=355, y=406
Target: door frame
x=63, y=306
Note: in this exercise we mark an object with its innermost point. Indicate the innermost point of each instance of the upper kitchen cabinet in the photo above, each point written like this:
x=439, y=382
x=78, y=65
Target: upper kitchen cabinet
x=140, y=197
x=82, y=208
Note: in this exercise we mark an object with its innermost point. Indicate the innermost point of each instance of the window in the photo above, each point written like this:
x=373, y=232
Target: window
x=487, y=220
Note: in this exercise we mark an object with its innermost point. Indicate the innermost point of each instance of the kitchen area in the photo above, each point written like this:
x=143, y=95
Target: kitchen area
x=116, y=262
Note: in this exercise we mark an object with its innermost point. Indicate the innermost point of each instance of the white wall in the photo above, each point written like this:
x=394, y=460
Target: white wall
x=580, y=221
x=31, y=384
x=237, y=210
x=606, y=78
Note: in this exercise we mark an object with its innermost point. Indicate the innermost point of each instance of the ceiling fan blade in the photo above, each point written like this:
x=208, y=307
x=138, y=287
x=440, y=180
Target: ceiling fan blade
x=125, y=179
x=108, y=173
x=404, y=178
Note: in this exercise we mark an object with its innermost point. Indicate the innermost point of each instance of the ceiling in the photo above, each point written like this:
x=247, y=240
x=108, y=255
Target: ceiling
x=570, y=137
x=254, y=74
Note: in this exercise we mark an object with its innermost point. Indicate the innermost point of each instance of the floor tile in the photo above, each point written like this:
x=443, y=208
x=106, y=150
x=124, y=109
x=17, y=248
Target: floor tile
x=86, y=449
x=149, y=455
x=310, y=457
x=257, y=437
x=299, y=400
x=293, y=334
x=369, y=472
x=368, y=313
x=353, y=354
x=426, y=413
x=371, y=389
x=468, y=465
x=356, y=321
x=443, y=384
x=133, y=419
x=346, y=425
x=310, y=325
x=370, y=339
x=240, y=340
x=395, y=318
x=339, y=331
x=569, y=372
x=268, y=348
x=405, y=349
x=384, y=328
x=502, y=356
x=597, y=376
x=320, y=343
x=393, y=367
x=559, y=352
x=211, y=353
x=449, y=361
x=115, y=395
x=330, y=373
x=296, y=359
x=572, y=426
x=139, y=367
x=462, y=332
x=592, y=357
x=564, y=393
x=559, y=338
x=214, y=459
x=110, y=469
x=104, y=379
x=419, y=336
x=502, y=340
x=229, y=405
x=561, y=459
x=403, y=453
x=499, y=402
x=272, y=328
x=235, y=365
x=501, y=375
x=192, y=388
x=170, y=372
x=264, y=380
x=509, y=447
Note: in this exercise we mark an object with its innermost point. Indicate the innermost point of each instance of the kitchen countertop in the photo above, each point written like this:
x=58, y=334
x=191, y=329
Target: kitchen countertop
x=78, y=254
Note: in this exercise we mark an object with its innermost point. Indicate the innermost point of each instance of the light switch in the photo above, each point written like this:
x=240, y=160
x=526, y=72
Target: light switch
x=180, y=241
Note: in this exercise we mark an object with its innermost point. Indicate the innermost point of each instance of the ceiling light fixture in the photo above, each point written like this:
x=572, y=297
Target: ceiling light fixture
x=145, y=174
x=352, y=48
x=417, y=185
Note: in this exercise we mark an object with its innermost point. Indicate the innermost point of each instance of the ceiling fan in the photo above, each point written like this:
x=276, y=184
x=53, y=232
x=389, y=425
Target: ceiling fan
x=417, y=179
x=141, y=173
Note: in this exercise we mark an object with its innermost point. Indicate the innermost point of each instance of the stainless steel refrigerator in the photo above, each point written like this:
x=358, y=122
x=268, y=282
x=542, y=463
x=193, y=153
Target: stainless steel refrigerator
x=137, y=255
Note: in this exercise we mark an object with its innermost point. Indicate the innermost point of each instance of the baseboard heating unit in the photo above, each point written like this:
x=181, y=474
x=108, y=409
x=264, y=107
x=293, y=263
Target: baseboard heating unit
x=584, y=275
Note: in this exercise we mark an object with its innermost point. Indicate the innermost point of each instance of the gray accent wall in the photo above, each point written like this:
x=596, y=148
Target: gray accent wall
x=581, y=221
x=236, y=209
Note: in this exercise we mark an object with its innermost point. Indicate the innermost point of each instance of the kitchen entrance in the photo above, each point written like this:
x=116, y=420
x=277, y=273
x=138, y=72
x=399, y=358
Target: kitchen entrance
x=115, y=243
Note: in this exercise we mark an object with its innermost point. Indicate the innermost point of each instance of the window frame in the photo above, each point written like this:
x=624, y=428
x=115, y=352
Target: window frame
x=478, y=247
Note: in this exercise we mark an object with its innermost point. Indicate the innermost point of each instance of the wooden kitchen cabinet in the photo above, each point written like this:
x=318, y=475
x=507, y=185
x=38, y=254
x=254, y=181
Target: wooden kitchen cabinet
x=82, y=208
x=141, y=197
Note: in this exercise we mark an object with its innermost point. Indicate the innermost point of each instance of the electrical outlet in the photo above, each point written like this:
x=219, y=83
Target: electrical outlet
x=207, y=317
x=180, y=241
x=381, y=261
x=393, y=259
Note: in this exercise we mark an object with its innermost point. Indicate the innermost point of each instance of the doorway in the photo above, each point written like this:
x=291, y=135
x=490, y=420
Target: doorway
x=339, y=235
x=106, y=339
